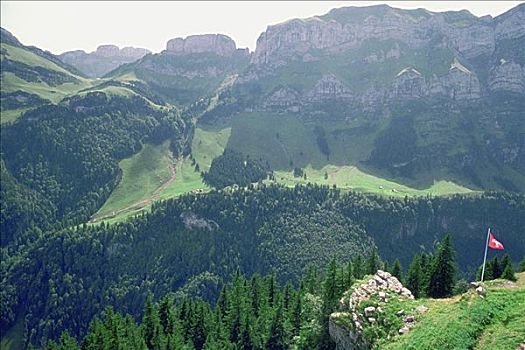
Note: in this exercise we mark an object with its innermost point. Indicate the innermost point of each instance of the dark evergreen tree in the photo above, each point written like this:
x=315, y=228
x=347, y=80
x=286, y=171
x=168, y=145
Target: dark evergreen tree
x=415, y=276
x=330, y=297
x=359, y=269
x=508, y=270
x=373, y=263
x=276, y=337
x=152, y=326
x=397, y=271
x=522, y=265
x=443, y=270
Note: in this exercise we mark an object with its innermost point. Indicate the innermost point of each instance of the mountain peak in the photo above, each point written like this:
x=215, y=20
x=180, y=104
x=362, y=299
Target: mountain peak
x=220, y=44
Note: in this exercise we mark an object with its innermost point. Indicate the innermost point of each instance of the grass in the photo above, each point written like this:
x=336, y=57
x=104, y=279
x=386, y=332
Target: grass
x=12, y=83
x=142, y=174
x=256, y=134
x=11, y=115
x=352, y=178
x=136, y=186
x=469, y=322
x=208, y=144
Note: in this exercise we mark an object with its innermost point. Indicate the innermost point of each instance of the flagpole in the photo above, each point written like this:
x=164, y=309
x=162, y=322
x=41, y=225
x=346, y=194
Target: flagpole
x=485, y=258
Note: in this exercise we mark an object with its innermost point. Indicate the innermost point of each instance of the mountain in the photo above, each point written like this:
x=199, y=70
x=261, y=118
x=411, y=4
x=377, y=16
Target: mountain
x=32, y=77
x=367, y=129
x=410, y=95
x=105, y=59
x=189, y=69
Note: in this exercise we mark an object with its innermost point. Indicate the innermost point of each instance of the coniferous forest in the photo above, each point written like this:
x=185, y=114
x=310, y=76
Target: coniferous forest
x=336, y=186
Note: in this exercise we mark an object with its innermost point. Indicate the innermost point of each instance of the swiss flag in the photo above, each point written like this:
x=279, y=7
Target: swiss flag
x=494, y=243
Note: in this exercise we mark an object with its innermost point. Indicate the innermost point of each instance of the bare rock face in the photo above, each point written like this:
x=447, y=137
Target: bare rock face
x=107, y=51
x=460, y=83
x=329, y=88
x=133, y=52
x=348, y=28
x=103, y=60
x=220, y=44
x=507, y=76
x=409, y=84
x=283, y=98
x=510, y=25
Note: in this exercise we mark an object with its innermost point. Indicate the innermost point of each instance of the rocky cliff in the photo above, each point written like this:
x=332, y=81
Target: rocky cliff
x=219, y=44
x=372, y=303
x=103, y=60
x=378, y=54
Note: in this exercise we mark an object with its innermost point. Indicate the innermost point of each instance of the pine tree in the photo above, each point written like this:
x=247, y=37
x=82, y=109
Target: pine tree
x=349, y=275
x=397, y=270
x=508, y=270
x=358, y=264
x=373, y=263
x=276, y=336
x=496, y=268
x=329, y=302
x=415, y=276
x=522, y=265
x=152, y=327
x=443, y=270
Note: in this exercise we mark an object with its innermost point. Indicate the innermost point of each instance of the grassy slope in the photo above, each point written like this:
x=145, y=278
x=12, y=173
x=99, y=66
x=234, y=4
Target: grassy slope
x=12, y=83
x=469, y=322
x=142, y=174
x=260, y=135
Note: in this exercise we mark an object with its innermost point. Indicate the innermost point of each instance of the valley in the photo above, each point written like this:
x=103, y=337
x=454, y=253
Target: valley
x=210, y=196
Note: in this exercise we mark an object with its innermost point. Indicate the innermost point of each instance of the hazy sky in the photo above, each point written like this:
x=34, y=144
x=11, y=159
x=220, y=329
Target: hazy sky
x=68, y=25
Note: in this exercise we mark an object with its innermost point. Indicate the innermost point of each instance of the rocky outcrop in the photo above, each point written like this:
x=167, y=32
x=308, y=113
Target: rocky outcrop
x=507, y=76
x=458, y=84
x=329, y=88
x=346, y=327
x=284, y=98
x=409, y=84
x=349, y=28
x=510, y=25
x=219, y=44
x=192, y=221
x=103, y=60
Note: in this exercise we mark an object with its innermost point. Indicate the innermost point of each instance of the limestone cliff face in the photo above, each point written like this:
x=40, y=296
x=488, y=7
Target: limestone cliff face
x=103, y=60
x=353, y=38
x=507, y=76
x=217, y=43
x=347, y=28
x=329, y=88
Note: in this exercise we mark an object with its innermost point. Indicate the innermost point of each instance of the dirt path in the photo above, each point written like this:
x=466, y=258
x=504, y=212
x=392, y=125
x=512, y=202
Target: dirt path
x=146, y=201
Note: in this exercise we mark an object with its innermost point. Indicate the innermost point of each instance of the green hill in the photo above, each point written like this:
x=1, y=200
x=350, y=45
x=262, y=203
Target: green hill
x=31, y=77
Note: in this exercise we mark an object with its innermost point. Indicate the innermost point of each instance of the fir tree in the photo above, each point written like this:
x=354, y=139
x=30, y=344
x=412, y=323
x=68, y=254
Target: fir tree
x=397, y=270
x=443, y=270
x=373, y=263
x=329, y=301
x=152, y=327
x=508, y=270
x=415, y=276
x=522, y=265
x=349, y=275
x=358, y=265
x=276, y=336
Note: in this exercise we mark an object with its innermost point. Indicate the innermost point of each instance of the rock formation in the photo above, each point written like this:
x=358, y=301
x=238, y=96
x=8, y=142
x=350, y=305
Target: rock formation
x=103, y=60
x=507, y=76
x=220, y=44
x=346, y=327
